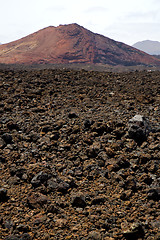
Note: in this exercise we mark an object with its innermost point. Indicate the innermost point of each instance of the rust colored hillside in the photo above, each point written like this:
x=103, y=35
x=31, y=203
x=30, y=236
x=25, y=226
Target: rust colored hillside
x=71, y=44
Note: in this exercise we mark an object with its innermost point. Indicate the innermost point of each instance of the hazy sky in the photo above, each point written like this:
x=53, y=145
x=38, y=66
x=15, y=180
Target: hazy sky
x=127, y=21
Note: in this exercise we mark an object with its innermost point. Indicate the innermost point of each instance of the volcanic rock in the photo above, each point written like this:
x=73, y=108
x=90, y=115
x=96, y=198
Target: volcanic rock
x=80, y=177
x=78, y=200
x=39, y=179
x=154, y=194
x=136, y=231
x=3, y=195
x=7, y=138
x=36, y=200
x=138, y=128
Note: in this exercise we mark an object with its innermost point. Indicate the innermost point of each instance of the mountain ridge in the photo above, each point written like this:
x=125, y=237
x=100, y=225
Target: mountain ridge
x=149, y=46
x=71, y=43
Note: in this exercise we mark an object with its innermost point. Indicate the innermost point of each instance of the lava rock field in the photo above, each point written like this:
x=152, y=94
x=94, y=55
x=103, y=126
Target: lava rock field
x=73, y=163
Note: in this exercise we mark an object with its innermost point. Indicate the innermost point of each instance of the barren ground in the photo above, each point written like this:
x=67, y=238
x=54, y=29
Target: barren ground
x=68, y=169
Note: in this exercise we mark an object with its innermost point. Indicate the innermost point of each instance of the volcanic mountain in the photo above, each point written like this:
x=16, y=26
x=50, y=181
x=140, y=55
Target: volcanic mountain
x=71, y=44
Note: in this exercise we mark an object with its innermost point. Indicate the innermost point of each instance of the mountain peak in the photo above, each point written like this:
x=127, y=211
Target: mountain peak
x=70, y=25
x=71, y=43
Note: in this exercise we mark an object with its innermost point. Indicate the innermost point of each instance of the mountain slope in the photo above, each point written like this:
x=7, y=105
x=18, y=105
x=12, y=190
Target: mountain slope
x=71, y=44
x=148, y=46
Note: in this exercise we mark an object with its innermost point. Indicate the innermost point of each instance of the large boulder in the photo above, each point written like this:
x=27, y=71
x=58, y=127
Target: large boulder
x=139, y=128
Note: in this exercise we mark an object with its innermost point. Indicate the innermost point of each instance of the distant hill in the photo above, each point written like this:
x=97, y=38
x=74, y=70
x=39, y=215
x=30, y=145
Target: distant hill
x=72, y=44
x=148, y=46
x=157, y=56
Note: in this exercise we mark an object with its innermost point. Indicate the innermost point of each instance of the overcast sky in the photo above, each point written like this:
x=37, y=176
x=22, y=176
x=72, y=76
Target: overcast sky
x=126, y=21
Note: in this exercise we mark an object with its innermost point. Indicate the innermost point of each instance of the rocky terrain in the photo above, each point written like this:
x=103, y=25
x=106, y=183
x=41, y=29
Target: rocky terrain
x=79, y=155
x=72, y=43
